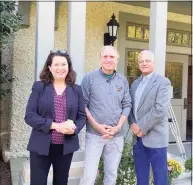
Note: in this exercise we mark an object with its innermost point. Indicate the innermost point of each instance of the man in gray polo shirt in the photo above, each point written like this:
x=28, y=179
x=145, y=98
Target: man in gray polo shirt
x=108, y=104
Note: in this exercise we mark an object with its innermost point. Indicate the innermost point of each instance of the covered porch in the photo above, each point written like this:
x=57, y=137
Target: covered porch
x=79, y=27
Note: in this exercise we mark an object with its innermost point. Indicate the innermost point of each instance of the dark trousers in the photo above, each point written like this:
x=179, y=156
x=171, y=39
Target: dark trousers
x=156, y=157
x=40, y=165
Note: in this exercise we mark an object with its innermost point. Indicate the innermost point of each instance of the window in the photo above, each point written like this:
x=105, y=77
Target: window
x=132, y=66
x=174, y=37
x=174, y=73
x=178, y=38
x=137, y=32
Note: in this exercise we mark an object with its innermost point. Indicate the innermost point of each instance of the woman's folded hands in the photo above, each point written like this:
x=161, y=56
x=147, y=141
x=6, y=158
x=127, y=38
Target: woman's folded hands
x=67, y=127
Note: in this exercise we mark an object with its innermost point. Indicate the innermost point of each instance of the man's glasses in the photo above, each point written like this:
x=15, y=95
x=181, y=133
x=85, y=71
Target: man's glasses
x=55, y=51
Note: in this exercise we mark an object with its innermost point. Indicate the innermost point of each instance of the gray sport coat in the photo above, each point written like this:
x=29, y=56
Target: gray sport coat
x=152, y=111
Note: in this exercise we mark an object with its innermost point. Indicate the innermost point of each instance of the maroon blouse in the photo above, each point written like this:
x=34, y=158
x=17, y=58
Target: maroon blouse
x=60, y=115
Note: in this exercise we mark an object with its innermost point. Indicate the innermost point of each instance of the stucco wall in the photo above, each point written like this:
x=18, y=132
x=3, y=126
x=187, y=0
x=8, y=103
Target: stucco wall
x=98, y=14
x=23, y=72
x=62, y=28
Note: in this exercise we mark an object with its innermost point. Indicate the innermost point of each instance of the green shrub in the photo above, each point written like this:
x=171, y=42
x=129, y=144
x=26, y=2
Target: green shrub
x=126, y=171
x=188, y=164
x=10, y=21
x=10, y=24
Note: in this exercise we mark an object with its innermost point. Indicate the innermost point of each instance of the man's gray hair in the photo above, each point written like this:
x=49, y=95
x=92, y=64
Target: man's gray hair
x=150, y=54
x=110, y=47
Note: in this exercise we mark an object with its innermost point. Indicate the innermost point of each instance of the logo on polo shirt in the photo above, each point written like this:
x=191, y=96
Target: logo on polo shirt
x=118, y=88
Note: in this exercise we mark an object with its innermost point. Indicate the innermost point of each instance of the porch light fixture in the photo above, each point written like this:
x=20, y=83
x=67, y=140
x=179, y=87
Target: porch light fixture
x=111, y=36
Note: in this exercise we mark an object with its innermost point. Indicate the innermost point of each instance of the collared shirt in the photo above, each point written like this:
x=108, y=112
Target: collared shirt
x=106, y=98
x=140, y=89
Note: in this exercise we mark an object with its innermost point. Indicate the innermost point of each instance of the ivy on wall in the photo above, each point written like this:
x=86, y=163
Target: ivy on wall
x=9, y=25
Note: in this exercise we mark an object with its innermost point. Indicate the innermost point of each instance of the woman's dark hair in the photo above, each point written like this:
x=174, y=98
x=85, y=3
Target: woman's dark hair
x=46, y=75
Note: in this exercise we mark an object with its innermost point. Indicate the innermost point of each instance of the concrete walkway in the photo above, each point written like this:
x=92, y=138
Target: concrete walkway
x=187, y=181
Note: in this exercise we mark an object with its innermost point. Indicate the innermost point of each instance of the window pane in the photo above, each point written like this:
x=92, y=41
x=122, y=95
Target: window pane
x=139, y=32
x=131, y=32
x=132, y=66
x=131, y=58
x=171, y=37
x=136, y=57
x=178, y=38
x=146, y=33
x=174, y=73
x=186, y=39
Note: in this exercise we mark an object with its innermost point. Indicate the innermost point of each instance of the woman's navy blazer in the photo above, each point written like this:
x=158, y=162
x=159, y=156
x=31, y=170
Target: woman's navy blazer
x=40, y=115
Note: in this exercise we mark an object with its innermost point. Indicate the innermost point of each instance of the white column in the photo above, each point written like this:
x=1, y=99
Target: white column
x=76, y=45
x=44, y=33
x=76, y=36
x=158, y=29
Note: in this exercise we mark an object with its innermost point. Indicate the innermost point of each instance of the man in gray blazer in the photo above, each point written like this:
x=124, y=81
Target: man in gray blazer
x=148, y=120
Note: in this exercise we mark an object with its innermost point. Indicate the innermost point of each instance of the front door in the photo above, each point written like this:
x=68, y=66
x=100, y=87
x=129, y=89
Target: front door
x=176, y=71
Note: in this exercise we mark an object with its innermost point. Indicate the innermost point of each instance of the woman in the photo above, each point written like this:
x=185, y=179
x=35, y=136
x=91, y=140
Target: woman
x=56, y=113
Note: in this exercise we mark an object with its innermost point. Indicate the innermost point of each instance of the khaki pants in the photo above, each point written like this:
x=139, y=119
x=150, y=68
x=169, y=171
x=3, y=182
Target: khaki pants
x=111, y=149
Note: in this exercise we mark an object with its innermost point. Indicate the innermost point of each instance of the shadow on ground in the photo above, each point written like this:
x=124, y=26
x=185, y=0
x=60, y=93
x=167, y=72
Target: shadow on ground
x=5, y=175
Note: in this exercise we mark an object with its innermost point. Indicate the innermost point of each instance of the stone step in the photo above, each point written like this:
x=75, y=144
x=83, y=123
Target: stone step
x=184, y=176
x=71, y=181
x=74, y=181
x=76, y=171
x=186, y=181
x=78, y=156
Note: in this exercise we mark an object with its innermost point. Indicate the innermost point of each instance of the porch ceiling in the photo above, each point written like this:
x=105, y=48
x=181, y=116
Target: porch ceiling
x=178, y=7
